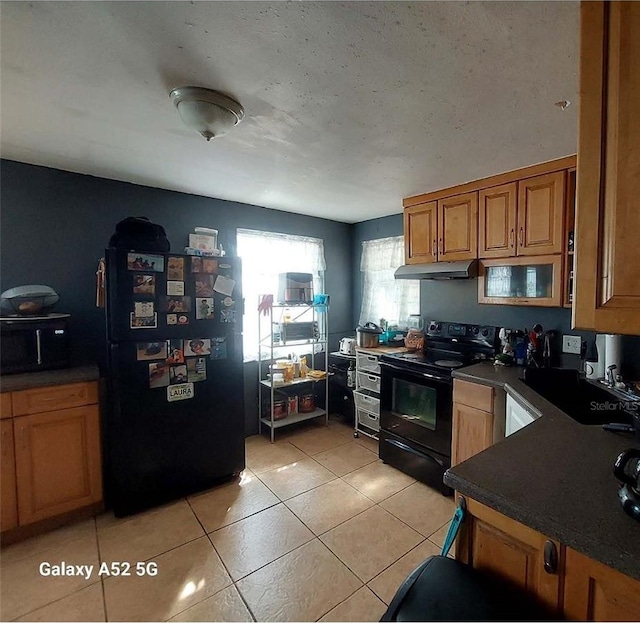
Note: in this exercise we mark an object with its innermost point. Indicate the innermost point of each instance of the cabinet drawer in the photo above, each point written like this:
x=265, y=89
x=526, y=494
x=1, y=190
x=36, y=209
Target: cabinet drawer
x=6, y=405
x=369, y=381
x=367, y=403
x=473, y=395
x=368, y=420
x=368, y=363
x=54, y=398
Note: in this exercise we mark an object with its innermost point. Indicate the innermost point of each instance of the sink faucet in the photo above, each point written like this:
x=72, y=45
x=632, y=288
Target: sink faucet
x=611, y=379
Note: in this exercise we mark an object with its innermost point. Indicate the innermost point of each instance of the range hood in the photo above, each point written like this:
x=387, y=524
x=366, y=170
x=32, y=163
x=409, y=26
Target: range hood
x=464, y=269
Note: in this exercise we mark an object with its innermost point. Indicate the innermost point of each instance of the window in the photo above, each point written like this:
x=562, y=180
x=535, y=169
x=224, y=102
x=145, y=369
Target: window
x=383, y=296
x=264, y=256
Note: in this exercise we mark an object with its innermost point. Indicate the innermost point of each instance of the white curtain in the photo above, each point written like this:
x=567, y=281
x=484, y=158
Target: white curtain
x=264, y=256
x=383, y=296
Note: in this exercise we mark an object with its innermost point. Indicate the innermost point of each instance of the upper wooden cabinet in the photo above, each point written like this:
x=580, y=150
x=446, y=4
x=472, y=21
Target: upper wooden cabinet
x=458, y=228
x=420, y=233
x=526, y=218
x=541, y=214
x=497, y=221
x=607, y=278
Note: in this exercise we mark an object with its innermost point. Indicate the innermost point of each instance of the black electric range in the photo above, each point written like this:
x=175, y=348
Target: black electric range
x=416, y=398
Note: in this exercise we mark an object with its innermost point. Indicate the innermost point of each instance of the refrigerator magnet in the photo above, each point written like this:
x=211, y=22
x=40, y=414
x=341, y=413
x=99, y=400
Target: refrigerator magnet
x=196, y=347
x=144, y=309
x=204, y=309
x=139, y=261
x=175, y=304
x=144, y=284
x=183, y=391
x=218, y=348
x=175, y=268
x=197, y=369
x=143, y=322
x=209, y=265
x=183, y=319
x=196, y=264
x=228, y=314
x=178, y=374
x=158, y=375
x=151, y=350
x=224, y=285
x=175, y=288
x=204, y=285
x=176, y=354
x=172, y=318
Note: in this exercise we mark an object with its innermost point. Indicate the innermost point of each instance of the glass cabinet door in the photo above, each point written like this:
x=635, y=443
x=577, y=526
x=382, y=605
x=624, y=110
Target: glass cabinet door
x=521, y=281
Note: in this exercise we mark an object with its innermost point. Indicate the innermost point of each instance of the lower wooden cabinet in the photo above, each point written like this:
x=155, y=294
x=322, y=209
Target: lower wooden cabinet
x=57, y=462
x=595, y=592
x=51, y=453
x=8, y=503
x=570, y=584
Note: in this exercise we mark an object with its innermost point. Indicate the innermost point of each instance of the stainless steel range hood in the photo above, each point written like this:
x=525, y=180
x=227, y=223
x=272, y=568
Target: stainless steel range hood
x=464, y=269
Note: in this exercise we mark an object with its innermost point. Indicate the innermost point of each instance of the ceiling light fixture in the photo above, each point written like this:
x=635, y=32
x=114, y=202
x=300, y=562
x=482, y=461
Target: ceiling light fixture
x=209, y=112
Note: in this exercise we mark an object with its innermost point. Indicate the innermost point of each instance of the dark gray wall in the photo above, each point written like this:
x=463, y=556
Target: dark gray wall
x=55, y=226
x=457, y=301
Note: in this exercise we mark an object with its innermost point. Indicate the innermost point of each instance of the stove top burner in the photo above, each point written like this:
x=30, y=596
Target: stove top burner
x=447, y=363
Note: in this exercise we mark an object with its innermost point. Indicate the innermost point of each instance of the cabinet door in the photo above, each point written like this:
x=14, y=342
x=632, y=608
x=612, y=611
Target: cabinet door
x=541, y=214
x=57, y=462
x=420, y=233
x=9, y=504
x=607, y=288
x=497, y=221
x=458, y=228
x=472, y=432
x=595, y=592
x=6, y=409
x=499, y=545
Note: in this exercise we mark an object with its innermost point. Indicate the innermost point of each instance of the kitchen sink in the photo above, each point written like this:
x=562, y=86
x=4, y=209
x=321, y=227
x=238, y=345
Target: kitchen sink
x=585, y=401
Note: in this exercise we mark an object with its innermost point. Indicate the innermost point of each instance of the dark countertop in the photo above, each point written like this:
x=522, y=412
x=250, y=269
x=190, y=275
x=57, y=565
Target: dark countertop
x=16, y=382
x=554, y=475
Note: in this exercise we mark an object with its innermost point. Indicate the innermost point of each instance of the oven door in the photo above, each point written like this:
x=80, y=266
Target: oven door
x=417, y=406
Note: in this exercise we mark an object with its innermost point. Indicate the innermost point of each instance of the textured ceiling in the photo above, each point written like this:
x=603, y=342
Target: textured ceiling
x=350, y=106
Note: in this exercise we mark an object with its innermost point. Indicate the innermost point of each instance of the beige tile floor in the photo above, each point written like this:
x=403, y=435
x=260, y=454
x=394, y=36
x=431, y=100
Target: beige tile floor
x=317, y=528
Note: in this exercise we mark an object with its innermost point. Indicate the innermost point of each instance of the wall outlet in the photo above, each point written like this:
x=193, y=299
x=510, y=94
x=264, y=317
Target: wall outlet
x=571, y=344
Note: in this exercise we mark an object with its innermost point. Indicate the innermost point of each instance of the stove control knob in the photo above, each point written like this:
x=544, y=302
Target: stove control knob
x=474, y=330
x=485, y=332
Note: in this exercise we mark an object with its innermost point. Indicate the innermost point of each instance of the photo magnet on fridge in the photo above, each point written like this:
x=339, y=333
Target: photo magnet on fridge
x=140, y=261
x=175, y=268
x=178, y=374
x=183, y=319
x=175, y=304
x=209, y=265
x=218, y=348
x=196, y=264
x=142, y=322
x=151, y=350
x=143, y=309
x=204, y=285
x=172, y=318
x=197, y=369
x=204, y=309
x=175, y=288
x=197, y=347
x=224, y=285
x=144, y=284
x=176, y=354
x=158, y=375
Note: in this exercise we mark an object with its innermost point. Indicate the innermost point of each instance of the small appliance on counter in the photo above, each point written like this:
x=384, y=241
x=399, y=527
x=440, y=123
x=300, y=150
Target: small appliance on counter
x=347, y=346
x=295, y=288
x=627, y=470
x=368, y=335
x=33, y=338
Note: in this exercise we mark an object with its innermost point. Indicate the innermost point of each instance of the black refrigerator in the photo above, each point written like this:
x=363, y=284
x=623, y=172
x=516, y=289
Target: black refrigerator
x=174, y=422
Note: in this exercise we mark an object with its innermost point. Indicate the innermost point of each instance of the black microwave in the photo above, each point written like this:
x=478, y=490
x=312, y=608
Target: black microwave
x=32, y=344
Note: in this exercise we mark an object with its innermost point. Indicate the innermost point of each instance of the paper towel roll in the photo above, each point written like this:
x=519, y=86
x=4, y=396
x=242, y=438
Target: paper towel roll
x=612, y=353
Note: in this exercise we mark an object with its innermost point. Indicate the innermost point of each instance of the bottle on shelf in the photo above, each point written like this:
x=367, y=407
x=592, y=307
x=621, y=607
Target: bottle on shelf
x=304, y=368
x=351, y=376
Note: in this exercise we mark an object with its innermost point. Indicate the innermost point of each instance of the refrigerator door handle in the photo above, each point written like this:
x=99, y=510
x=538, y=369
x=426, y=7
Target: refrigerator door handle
x=39, y=346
